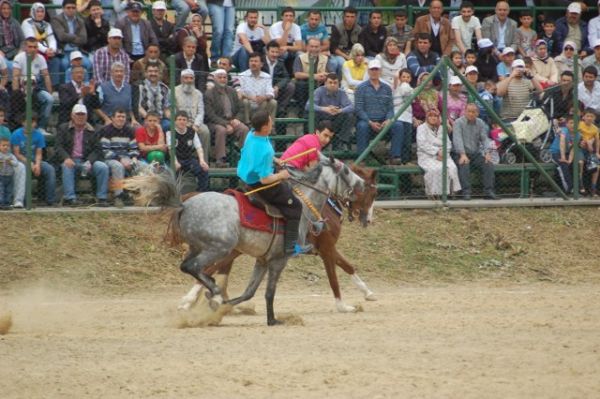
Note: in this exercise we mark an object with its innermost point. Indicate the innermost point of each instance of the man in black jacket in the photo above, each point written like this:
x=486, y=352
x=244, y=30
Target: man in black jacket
x=188, y=58
x=74, y=92
x=78, y=150
x=283, y=86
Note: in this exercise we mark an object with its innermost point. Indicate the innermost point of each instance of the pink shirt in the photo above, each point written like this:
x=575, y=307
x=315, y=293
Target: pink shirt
x=78, y=144
x=304, y=143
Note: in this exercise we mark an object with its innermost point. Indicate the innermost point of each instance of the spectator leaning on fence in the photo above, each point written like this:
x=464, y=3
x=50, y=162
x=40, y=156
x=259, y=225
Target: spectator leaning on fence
x=78, y=151
x=373, y=35
x=374, y=110
x=120, y=152
x=189, y=155
x=332, y=104
x=191, y=100
x=401, y=31
x=106, y=57
x=250, y=36
x=256, y=90
x=343, y=37
x=224, y=114
x=500, y=29
x=39, y=168
x=41, y=84
x=471, y=149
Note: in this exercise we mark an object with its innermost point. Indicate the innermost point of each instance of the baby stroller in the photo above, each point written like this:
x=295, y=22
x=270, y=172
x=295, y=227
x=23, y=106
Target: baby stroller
x=532, y=129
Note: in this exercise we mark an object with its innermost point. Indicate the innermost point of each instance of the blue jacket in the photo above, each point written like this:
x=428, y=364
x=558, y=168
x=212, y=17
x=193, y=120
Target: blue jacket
x=562, y=30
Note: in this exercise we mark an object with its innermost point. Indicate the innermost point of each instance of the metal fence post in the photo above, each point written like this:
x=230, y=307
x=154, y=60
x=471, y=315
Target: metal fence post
x=173, y=108
x=444, y=130
x=311, y=94
x=576, y=155
x=28, y=131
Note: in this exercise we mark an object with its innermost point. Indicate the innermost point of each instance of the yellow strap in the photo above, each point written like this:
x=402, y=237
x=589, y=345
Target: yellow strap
x=262, y=188
x=308, y=203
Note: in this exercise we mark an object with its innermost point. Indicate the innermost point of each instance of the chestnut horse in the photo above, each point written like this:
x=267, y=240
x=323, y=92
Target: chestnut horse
x=324, y=244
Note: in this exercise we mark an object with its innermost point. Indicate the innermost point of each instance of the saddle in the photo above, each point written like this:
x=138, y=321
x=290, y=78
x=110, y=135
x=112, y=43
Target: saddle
x=256, y=214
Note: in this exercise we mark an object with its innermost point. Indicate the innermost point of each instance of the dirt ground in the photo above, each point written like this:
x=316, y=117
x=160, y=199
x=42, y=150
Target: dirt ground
x=472, y=304
x=469, y=341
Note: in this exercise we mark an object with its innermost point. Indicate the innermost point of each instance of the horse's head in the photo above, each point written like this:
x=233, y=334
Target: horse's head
x=343, y=184
x=363, y=204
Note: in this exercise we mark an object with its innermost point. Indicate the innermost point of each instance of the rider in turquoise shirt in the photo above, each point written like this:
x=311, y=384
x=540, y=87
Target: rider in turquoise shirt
x=256, y=170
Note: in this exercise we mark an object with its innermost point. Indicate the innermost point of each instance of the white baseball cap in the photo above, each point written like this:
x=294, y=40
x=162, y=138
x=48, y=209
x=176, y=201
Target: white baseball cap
x=508, y=50
x=574, y=8
x=374, y=64
x=219, y=71
x=79, y=109
x=471, y=68
x=595, y=43
x=74, y=55
x=518, y=64
x=485, y=43
x=454, y=80
x=159, y=5
x=115, y=32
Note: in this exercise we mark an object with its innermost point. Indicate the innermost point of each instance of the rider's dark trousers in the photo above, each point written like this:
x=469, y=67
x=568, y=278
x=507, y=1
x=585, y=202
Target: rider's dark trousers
x=282, y=198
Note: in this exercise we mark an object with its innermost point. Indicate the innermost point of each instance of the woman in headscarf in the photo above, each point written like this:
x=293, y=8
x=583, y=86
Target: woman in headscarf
x=11, y=34
x=565, y=61
x=430, y=150
x=544, y=66
x=392, y=60
x=195, y=29
x=37, y=27
x=426, y=101
x=354, y=71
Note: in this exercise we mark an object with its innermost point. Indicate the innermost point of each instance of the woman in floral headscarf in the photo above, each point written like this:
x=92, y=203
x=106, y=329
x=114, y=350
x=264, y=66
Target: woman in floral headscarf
x=427, y=100
x=392, y=60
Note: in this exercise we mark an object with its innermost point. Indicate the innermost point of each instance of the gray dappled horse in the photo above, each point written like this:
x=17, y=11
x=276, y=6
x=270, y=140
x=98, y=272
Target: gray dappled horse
x=210, y=224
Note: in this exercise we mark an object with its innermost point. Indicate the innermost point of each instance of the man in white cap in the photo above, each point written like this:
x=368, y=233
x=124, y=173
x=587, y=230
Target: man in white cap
x=137, y=32
x=76, y=91
x=572, y=27
x=78, y=151
x=163, y=29
x=108, y=55
x=506, y=57
x=516, y=90
x=76, y=58
x=189, y=99
x=374, y=107
x=594, y=59
x=499, y=28
x=224, y=115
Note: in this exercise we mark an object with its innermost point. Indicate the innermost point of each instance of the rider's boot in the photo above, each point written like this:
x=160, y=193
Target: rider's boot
x=290, y=240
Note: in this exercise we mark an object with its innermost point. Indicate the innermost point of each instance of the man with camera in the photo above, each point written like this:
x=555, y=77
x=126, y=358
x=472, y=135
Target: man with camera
x=516, y=90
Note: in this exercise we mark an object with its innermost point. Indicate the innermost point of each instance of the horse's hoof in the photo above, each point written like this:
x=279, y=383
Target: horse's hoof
x=184, y=306
x=370, y=296
x=343, y=308
x=214, y=301
x=274, y=322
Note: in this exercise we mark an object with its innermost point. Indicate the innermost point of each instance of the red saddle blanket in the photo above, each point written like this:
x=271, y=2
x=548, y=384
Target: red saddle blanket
x=255, y=218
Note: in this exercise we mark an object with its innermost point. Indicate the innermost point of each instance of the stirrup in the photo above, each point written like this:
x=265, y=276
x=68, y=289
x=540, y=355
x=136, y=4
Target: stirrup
x=301, y=249
x=318, y=227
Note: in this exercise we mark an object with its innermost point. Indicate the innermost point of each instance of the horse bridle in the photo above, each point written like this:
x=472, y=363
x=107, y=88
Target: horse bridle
x=342, y=173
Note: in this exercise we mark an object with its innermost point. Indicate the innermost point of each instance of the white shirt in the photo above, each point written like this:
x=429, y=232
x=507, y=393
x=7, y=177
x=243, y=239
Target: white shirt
x=466, y=29
x=260, y=85
x=38, y=64
x=252, y=35
x=590, y=99
x=435, y=26
x=276, y=32
x=594, y=30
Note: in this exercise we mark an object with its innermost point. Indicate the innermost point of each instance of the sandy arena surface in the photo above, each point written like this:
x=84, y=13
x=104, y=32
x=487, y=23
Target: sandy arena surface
x=455, y=341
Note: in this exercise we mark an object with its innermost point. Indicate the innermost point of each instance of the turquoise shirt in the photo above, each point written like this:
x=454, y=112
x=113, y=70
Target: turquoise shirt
x=256, y=161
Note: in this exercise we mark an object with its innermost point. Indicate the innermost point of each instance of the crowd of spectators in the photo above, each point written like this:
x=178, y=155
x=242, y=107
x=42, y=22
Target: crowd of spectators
x=106, y=70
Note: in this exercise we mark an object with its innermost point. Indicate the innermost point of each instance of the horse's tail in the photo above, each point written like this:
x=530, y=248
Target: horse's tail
x=160, y=189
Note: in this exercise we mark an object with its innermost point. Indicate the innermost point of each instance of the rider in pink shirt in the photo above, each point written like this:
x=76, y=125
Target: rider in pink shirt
x=322, y=136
